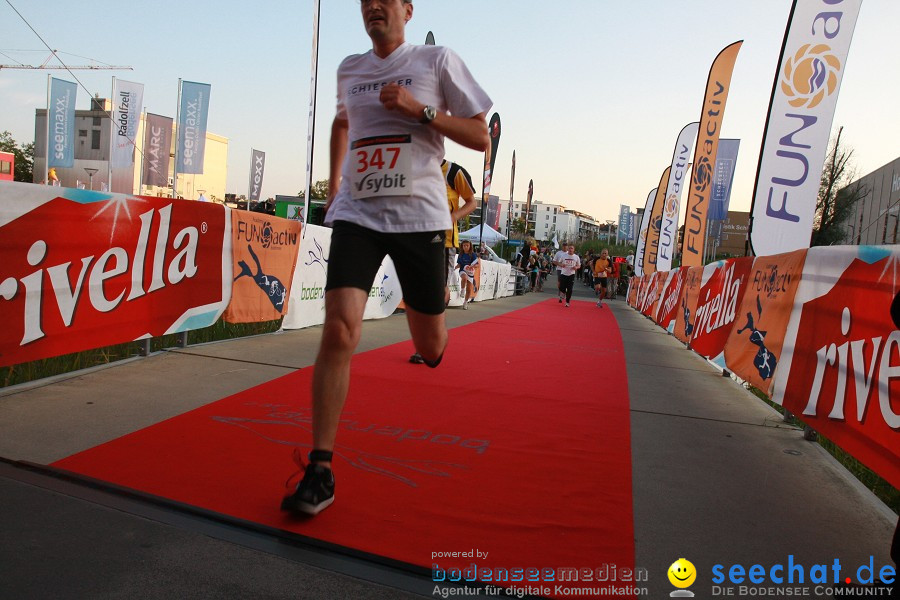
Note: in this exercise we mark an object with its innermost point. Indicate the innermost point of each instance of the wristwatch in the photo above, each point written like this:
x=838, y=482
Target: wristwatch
x=428, y=115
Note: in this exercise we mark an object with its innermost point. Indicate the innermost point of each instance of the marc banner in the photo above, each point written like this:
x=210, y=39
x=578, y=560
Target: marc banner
x=157, y=145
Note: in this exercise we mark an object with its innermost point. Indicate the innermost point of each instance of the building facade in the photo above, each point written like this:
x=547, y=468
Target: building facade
x=92, y=151
x=875, y=217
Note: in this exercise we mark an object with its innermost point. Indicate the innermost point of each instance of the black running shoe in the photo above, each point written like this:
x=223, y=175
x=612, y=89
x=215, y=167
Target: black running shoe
x=314, y=493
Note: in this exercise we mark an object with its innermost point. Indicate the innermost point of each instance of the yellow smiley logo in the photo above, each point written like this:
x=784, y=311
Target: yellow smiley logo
x=682, y=573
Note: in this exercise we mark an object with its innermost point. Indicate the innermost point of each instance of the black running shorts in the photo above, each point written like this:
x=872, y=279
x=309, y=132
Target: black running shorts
x=357, y=252
x=601, y=281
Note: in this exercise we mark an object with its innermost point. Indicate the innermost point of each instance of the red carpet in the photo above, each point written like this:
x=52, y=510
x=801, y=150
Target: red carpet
x=512, y=447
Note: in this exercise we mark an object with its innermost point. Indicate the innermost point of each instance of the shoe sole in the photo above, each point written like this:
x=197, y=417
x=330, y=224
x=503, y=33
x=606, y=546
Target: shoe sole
x=306, y=508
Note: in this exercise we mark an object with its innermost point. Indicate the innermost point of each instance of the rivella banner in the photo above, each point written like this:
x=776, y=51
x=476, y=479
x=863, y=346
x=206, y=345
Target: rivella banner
x=139, y=267
x=681, y=160
x=711, y=119
x=61, y=123
x=801, y=110
x=839, y=370
x=157, y=142
x=721, y=295
x=265, y=250
x=192, y=117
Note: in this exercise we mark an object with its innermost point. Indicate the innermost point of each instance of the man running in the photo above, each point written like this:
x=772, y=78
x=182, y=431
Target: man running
x=459, y=186
x=568, y=264
x=386, y=196
x=602, y=272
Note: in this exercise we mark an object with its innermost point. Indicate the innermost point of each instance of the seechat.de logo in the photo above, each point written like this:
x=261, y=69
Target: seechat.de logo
x=810, y=75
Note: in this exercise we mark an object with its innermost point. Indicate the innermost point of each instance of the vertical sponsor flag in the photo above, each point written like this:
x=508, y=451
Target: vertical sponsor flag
x=490, y=158
x=257, y=168
x=711, y=119
x=681, y=158
x=512, y=185
x=801, y=110
x=61, y=123
x=726, y=160
x=265, y=251
x=128, y=100
x=651, y=243
x=528, y=202
x=157, y=143
x=624, y=215
x=642, y=234
x=311, y=118
x=192, y=116
x=429, y=39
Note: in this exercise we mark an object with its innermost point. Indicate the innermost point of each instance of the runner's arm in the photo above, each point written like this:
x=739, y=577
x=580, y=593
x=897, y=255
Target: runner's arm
x=470, y=132
x=338, y=151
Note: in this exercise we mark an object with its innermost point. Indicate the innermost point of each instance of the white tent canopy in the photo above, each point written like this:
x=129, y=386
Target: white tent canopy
x=491, y=236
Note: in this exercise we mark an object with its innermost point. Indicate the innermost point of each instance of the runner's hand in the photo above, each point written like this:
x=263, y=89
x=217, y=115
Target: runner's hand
x=395, y=97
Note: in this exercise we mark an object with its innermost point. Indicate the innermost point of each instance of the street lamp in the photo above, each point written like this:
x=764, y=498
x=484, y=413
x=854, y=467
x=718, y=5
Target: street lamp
x=90, y=171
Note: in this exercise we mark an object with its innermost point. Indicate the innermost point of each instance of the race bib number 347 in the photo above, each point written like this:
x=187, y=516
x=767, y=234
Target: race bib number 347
x=381, y=166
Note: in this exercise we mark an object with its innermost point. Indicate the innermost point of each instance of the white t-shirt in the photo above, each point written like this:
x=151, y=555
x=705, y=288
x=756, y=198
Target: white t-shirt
x=568, y=264
x=435, y=76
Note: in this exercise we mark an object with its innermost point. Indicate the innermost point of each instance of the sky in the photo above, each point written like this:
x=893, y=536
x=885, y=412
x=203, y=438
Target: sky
x=591, y=94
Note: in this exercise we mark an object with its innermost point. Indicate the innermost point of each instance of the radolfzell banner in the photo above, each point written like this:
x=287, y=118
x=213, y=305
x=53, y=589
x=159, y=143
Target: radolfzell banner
x=192, y=117
x=265, y=250
x=651, y=245
x=128, y=102
x=801, y=111
x=257, y=169
x=711, y=120
x=162, y=270
x=61, y=124
x=157, y=145
x=681, y=161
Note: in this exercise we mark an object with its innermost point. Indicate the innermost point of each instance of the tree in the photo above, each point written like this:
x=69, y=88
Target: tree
x=518, y=225
x=319, y=191
x=24, y=154
x=837, y=197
